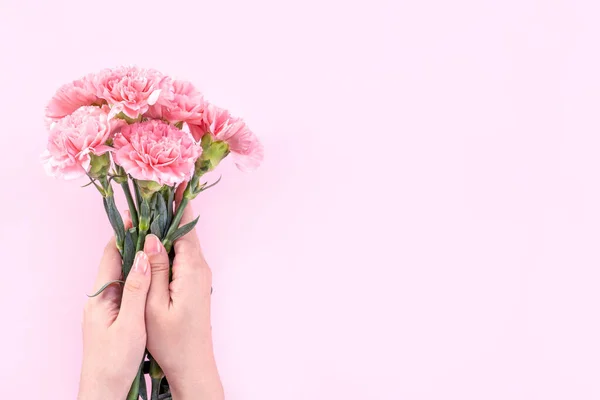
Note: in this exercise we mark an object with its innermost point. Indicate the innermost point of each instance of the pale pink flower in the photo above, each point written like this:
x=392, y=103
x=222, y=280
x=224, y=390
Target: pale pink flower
x=74, y=138
x=181, y=103
x=130, y=90
x=246, y=149
x=156, y=151
x=70, y=97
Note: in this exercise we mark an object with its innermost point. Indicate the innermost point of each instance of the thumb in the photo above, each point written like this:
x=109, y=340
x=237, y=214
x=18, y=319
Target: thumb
x=135, y=291
x=159, y=295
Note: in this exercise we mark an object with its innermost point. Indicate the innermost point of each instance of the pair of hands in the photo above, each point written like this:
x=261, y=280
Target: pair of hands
x=171, y=319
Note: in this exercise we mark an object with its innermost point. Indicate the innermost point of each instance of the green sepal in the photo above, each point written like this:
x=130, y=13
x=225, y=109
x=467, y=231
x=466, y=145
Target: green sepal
x=99, y=165
x=129, y=120
x=206, y=141
x=215, y=152
x=148, y=188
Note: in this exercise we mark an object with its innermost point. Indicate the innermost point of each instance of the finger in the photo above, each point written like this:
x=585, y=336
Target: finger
x=189, y=243
x=158, y=295
x=135, y=292
x=109, y=270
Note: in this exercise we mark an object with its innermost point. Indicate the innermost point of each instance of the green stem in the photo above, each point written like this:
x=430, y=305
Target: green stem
x=144, y=224
x=141, y=239
x=134, y=391
x=155, y=388
x=130, y=203
x=156, y=375
x=138, y=195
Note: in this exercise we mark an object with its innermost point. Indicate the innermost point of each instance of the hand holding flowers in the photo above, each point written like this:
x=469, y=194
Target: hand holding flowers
x=152, y=135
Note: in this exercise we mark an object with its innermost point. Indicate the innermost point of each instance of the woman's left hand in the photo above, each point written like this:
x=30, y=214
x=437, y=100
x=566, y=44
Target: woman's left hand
x=114, y=329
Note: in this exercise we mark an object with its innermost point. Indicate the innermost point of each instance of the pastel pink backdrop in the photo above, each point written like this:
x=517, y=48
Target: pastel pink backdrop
x=426, y=224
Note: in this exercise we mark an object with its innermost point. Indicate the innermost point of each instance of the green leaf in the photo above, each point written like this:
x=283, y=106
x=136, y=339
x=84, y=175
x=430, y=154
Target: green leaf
x=87, y=184
x=155, y=228
x=105, y=205
x=134, y=234
x=143, y=389
x=107, y=284
x=206, y=187
x=165, y=390
x=115, y=220
x=184, y=229
x=159, y=224
x=145, y=210
x=128, y=254
x=153, y=202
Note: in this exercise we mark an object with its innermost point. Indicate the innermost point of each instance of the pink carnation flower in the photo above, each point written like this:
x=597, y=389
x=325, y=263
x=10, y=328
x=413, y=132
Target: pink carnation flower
x=74, y=138
x=130, y=90
x=70, y=97
x=182, y=103
x=246, y=149
x=156, y=151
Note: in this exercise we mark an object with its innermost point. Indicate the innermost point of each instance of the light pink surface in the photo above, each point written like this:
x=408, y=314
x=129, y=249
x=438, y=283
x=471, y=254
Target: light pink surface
x=425, y=226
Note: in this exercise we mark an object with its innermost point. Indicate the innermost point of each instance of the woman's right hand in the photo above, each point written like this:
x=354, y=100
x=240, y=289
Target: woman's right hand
x=178, y=317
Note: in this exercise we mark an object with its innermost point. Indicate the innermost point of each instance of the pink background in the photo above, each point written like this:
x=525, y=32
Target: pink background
x=426, y=224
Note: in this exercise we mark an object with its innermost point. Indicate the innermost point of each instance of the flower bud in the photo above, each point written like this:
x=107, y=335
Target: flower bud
x=214, y=153
x=99, y=165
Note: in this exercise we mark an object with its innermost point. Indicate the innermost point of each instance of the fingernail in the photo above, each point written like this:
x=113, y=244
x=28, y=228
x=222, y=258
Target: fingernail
x=154, y=245
x=141, y=262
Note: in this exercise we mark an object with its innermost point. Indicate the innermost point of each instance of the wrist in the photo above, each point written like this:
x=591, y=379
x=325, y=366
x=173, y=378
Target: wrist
x=193, y=385
x=100, y=392
x=197, y=390
x=98, y=386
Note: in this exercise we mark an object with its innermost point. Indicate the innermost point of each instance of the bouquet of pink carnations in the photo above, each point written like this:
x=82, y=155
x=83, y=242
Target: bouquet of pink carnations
x=151, y=133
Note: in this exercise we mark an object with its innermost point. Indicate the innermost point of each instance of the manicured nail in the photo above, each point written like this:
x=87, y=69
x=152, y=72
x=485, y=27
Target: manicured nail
x=141, y=262
x=154, y=245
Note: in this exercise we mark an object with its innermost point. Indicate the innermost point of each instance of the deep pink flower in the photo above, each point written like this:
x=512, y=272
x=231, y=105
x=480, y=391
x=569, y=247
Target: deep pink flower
x=156, y=151
x=181, y=103
x=246, y=149
x=70, y=97
x=130, y=90
x=75, y=137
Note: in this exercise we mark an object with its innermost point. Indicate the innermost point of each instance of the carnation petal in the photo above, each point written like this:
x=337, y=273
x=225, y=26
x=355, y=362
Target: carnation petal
x=153, y=98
